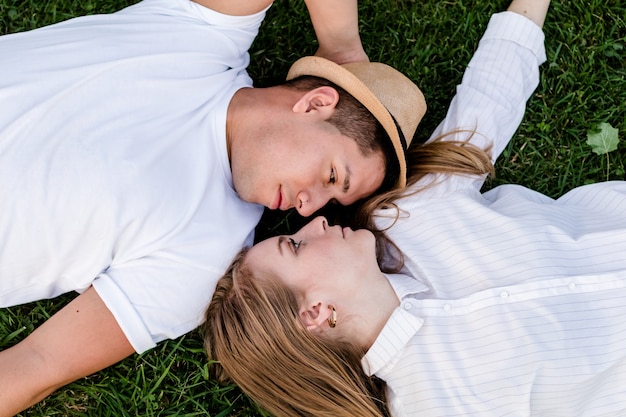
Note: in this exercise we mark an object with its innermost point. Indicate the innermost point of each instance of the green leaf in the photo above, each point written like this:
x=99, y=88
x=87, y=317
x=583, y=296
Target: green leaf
x=604, y=139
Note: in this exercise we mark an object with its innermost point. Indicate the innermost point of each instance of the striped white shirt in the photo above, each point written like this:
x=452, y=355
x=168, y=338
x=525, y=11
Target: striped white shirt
x=512, y=303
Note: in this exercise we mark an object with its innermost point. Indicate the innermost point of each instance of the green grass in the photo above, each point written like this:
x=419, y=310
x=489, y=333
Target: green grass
x=583, y=83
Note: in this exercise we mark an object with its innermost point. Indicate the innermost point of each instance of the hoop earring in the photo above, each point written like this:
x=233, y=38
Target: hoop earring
x=332, y=319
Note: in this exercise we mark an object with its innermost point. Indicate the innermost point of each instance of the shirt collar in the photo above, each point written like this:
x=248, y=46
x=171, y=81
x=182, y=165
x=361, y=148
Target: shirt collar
x=405, y=285
x=398, y=330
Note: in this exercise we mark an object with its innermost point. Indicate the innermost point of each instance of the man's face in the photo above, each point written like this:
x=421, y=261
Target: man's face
x=305, y=168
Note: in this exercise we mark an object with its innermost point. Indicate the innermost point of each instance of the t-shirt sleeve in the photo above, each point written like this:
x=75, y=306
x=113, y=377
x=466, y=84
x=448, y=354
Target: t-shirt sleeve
x=156, y=298
x=239, y=29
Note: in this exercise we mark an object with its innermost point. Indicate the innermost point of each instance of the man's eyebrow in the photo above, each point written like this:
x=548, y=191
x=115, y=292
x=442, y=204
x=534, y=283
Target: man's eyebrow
x=281, y=239
x=346, y=180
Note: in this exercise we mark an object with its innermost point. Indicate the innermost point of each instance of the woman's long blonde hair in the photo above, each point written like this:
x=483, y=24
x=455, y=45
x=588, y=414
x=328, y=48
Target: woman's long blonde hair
x=254, y=334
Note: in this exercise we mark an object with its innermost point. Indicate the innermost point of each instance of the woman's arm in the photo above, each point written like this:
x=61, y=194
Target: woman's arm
x=534, y=10
x=500, y=78
x=79, y=340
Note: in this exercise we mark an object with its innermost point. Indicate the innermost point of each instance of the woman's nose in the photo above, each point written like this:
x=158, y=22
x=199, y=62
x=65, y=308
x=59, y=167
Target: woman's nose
x=315, y=227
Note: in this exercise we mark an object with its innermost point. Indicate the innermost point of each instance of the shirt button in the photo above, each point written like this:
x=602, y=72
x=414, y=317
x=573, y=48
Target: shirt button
x=572, y=285
x=447, y=307
x=407, y=306
x=504, y=294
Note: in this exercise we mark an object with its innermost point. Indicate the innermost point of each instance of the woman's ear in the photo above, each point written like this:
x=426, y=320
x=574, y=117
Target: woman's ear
x=315, y=317
x=321, y=100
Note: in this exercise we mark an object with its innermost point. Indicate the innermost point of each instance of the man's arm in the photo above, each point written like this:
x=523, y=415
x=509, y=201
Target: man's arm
x=79, y=340
x=535, y=10
x=335, y=23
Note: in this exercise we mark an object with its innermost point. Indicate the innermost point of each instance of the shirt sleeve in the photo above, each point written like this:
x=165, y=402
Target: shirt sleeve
x=499, y=80
x=154, y=298
x=181, y=15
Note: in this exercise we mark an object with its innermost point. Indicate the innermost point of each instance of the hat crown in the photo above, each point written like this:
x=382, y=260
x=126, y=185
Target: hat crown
x=400, y=96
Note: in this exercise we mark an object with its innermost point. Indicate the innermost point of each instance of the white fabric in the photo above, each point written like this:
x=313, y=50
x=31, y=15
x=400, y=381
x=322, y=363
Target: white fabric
x=113, y=162
x=512, y=303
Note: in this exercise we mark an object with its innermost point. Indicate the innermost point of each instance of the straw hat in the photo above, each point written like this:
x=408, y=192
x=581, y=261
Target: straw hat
x=395, y=101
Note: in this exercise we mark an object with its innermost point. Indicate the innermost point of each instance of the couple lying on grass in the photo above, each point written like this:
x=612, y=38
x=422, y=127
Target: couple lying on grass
x=451, y=302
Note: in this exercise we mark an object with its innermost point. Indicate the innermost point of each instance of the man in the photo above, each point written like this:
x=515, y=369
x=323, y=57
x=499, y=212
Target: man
x=127, y=144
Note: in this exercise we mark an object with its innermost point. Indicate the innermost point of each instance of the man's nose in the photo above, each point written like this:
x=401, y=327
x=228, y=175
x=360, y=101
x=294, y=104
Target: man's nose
x=308, y=202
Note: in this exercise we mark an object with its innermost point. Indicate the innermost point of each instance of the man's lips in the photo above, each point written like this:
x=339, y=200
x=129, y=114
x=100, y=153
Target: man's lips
x=277, y=200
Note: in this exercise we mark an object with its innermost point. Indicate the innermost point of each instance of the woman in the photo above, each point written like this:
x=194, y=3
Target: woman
x=508, y=303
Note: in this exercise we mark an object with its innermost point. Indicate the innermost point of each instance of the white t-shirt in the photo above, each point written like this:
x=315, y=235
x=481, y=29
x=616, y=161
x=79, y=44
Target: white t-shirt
x=512, y=303
x=113, y=163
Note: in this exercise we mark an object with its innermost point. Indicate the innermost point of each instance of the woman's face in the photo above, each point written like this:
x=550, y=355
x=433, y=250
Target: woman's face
x=318, y=261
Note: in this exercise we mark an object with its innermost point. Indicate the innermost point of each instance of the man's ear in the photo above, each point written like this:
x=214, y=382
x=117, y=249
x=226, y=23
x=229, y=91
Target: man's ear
x=321, y=99
x=315, y=317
